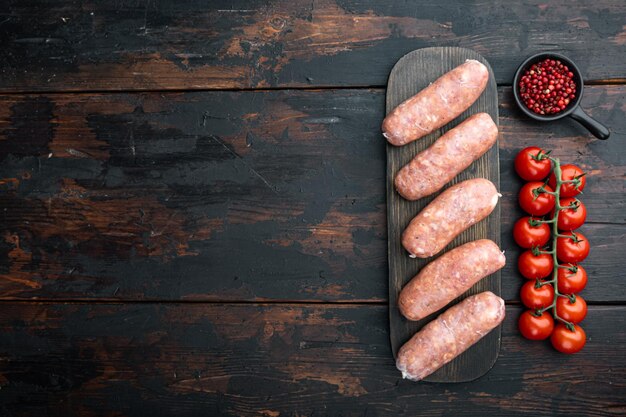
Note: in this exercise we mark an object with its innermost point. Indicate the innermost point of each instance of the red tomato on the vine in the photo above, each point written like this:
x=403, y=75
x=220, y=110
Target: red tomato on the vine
x=569, y=172
x=535, y=327
x=572, y=281
x=535, y=266
x=528, y=236
x=532, y=164
x=573, y=248
x=568, y=341
x=571, y=218
x=534, y=201
x=535, y=297
x=574, y=312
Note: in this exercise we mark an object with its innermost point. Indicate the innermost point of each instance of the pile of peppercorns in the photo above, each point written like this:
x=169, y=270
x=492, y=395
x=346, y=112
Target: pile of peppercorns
x=547, y=87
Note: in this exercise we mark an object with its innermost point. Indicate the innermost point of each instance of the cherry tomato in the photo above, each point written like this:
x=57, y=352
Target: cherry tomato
x=572, y=282
x=535, y=327
x=535, y=298
x=573, y=248
x=528, y=236
x=572, y=218
x=568, y=341
x=569, y=172
x=530, y=168
x=535, y=266
x=573, y=312
x=534, y=202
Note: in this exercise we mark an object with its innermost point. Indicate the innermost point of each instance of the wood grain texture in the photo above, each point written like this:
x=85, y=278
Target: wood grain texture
x=414, y=72
x=280, y=360
x=143, y=193
x=186, y=44
x=150, y=199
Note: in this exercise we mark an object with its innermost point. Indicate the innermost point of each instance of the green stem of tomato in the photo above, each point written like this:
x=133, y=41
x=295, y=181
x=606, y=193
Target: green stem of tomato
x=539, y=221
x=542, y=283
x=555, y=235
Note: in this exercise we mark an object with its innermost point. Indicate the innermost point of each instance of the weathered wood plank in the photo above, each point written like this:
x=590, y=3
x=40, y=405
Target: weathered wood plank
x=270, y=360
x=186, y=44
x=244, y=195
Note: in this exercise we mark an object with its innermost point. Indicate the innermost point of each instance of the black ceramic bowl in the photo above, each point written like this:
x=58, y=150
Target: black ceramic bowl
x=573, y=109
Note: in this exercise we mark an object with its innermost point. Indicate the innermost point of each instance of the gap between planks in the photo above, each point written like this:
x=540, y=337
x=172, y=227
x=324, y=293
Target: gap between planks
x=340, y=303
x=611, y=81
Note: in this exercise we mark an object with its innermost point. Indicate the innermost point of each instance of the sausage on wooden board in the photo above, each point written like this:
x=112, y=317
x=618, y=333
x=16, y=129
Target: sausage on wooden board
x=436, y=105
x=434, y=167
x=449, y=335
x=457, y=208
x=449, y=276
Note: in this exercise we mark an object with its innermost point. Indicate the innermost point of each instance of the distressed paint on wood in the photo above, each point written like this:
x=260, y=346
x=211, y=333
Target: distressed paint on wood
x=142, y=193
x=269, y=360
x=185, y=44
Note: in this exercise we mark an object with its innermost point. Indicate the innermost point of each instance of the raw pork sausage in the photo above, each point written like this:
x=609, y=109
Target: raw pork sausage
x=439, y=103
x=449, y=276
x=453, y=211
x=449, y=335
x=434, y=167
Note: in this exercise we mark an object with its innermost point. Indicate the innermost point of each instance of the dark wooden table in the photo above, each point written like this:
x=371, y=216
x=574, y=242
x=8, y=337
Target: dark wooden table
x=192, y=204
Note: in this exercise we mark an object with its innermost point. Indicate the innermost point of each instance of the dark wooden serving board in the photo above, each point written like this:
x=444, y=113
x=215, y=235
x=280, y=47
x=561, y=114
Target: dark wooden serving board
x=412, y=73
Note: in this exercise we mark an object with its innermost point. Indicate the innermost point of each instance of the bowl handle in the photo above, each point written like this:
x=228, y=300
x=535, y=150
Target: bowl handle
x=595, y=127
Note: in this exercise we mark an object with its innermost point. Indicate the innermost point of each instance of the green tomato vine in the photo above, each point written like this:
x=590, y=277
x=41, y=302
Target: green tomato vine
x=555, y=235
